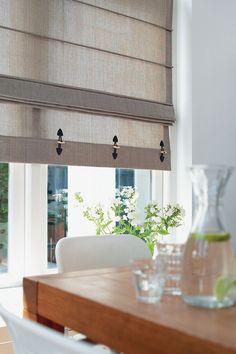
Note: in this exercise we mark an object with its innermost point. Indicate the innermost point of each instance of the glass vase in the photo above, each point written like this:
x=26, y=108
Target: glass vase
x=209, y=263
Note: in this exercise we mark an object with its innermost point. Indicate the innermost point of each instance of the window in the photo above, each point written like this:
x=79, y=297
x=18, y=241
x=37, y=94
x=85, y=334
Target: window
x=38, y=204
x=96, y=185
x=4, y=177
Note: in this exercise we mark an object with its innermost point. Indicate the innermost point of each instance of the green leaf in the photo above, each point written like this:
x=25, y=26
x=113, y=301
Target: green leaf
x=78, y=197
x=163, y=232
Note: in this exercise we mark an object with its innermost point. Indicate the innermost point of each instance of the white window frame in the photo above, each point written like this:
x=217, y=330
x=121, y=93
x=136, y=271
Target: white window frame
x=35, y=219
x=27, y=219
x=16, y=224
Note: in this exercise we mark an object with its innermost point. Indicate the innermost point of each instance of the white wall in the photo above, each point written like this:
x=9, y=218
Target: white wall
x=214, y=90
x=177, y=184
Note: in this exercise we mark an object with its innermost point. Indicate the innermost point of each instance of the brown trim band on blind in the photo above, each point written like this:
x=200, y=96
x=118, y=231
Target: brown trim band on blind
x=42, y=94
x=29, y=135
x=81, y=154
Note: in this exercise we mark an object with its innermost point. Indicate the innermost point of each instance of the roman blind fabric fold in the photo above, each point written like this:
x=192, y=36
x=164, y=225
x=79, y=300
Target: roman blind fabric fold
x=95, y=69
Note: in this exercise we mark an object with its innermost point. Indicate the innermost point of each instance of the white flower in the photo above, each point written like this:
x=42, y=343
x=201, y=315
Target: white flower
x=182, y=211
x=133, y=222
x=127, y=203
x=155, y=219
x=124, y=191
x=93, y=214
x=111, y=214
x=169, y=212
x=131, y=215
x=116, y=202
x=152, y=210
x=125, y=217
x=127, y=192
x=117, y=218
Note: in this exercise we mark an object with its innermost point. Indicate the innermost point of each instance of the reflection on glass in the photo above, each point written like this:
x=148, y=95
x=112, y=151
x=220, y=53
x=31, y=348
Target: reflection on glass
x=4, y=175
x=57, y=208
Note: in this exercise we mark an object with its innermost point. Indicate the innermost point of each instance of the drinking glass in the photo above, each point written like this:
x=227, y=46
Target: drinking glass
x=149, y=279
x=172, y=254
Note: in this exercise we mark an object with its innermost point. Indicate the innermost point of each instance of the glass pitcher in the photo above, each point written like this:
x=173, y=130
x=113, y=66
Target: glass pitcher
x=209, y=265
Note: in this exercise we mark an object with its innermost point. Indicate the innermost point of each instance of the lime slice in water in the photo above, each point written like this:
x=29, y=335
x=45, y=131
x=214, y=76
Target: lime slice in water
x=211, y=237
x=223, y=286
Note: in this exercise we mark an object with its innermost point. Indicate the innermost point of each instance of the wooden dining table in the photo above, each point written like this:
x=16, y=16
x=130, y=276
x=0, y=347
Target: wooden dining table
x=101, y=304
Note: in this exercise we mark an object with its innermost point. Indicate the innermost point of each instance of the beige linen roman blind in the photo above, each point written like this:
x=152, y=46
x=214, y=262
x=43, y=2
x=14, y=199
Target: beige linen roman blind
x=94, y=68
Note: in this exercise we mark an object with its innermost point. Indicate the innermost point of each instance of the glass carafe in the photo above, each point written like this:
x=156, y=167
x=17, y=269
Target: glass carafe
x=208, y=263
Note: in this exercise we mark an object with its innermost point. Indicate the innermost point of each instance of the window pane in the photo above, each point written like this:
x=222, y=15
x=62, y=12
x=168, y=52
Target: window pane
x=124, y=178
x=95, y=186
x=57, y=208
x=4, y=175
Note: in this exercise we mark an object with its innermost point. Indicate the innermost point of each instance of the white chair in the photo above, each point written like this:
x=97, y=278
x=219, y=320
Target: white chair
x=92, y=252
x=31, y=338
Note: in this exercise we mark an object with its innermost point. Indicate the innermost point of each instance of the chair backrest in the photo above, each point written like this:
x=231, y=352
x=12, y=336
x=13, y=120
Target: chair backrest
x=31, y=338
x=90, y=252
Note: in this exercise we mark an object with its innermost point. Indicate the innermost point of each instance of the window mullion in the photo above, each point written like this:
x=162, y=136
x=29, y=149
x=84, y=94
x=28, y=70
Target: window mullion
x=16, y=212
x=35, y=219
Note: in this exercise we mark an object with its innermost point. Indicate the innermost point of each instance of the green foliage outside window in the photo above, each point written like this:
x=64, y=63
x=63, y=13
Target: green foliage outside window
x=122, y=217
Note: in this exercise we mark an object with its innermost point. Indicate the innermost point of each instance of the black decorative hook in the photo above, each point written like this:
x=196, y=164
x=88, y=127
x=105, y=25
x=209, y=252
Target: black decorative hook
x=163, y=151
x=115, y=147
x=59, y=142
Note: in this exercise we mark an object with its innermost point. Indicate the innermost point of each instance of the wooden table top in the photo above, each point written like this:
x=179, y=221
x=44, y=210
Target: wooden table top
x=102, y=305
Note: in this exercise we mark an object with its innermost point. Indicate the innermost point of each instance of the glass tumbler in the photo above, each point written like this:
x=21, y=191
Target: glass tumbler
x=149, y=279
x=172, y=254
